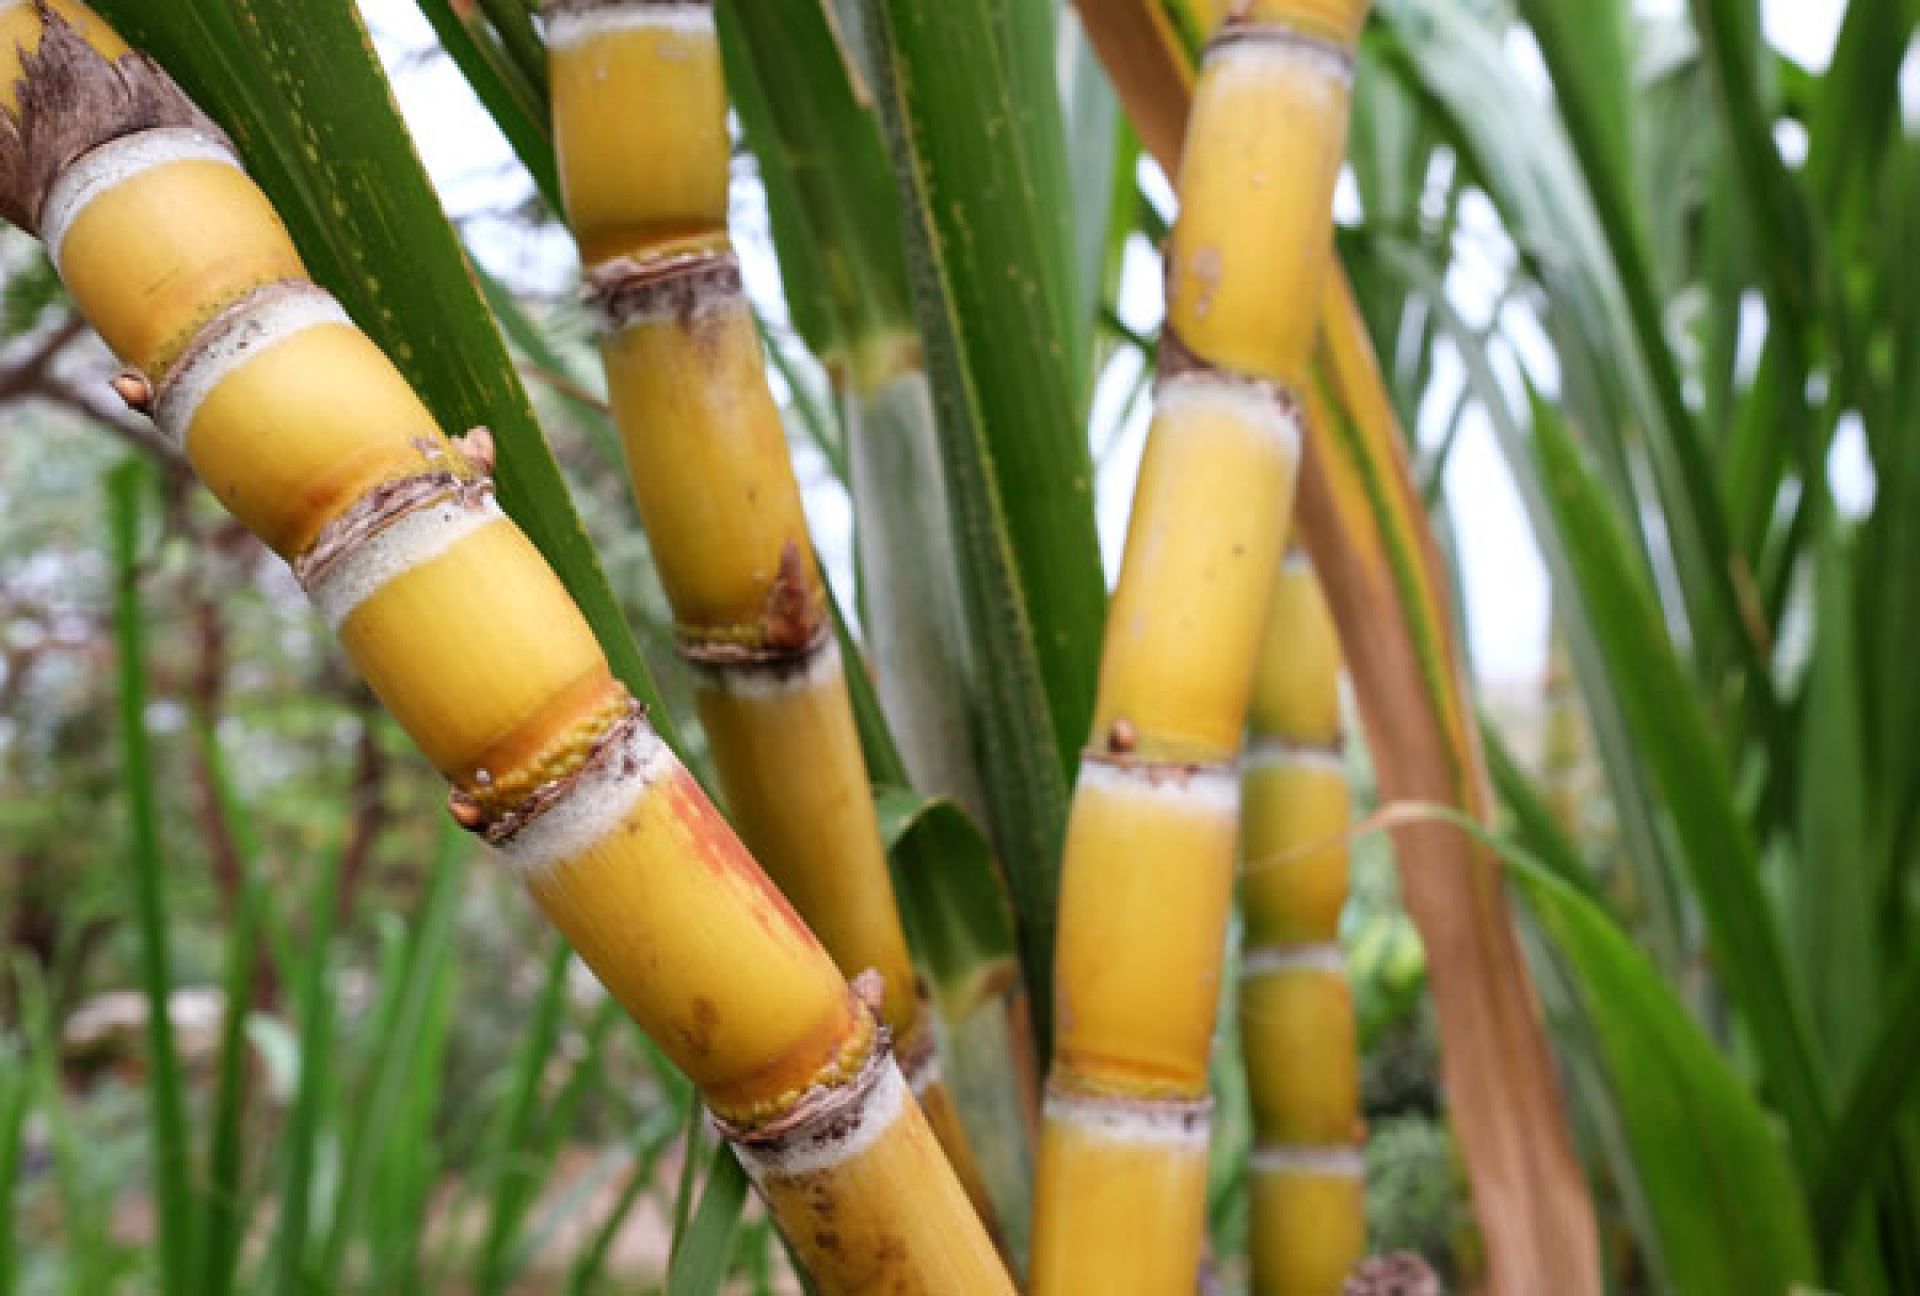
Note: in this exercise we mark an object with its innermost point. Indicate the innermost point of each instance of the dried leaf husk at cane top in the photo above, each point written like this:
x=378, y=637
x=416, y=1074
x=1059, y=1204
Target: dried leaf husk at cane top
x=1148, y=871
x=639, y=110
x=1307, y=1226
x=392, y=529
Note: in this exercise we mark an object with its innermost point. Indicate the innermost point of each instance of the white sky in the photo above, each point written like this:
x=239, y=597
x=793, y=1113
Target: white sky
x=1506, y=585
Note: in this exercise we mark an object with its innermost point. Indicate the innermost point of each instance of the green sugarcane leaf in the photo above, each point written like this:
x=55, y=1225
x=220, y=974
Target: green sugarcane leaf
x=1836, y=910
x=1575, y=221
x=1726, y=1206
x=16, y=1100
x=1537, y=827
x=700, y=1261
x=973, y=184
x=226, y=1207
x=952, y=904
x=301, y=93
x=1883, y=1085
x=399, y=1047
x=306, y=1129
x=517, y=107
x=173, y=1202
x=955, y=913
x=1663, y=713
x=834, y=208
x=508, y=1169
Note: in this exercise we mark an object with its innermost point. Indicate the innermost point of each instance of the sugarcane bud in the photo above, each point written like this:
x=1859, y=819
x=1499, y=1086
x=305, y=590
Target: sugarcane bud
x=870, y=988
x=1122, y=737
x=477, y=448
x=466, y=811
x=794, y=616
x=135, y=389
x=1401, y=1273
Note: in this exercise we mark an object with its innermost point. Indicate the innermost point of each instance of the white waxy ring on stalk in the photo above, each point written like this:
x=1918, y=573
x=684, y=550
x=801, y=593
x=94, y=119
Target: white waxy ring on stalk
x=568, y=29
x=1277, y=51
x=761, y=680
x=685, y=287
x=100, y=170
x=255, y=325
x=1267, y=752
x=1207, y=789
x=1279, y=960
x=413, y=539
x=831, y=1127
x=1259, y=406
x=595, y=805
x=1165, y=1122
x=1308, y=1162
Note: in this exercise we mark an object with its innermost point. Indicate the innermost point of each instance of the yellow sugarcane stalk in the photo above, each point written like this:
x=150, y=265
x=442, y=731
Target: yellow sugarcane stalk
x=639, y=111
x=304, y=429
x=1147, y=877
x=1296, y=1014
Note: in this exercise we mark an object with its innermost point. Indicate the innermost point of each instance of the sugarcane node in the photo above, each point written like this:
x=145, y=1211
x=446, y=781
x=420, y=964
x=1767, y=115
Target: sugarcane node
x=71, y=99
x=1247, y=33
x=558, y=8
x=135, y=389
x=827, y=1115
x=477, y=447
x=1179, y=364
x=720, y=659
x=1076, y=1103
x=235, y=332
x=677, y=286
x=379, y=509
x=1159, y=773
x=611, y=744
x=1400, y=1273
x=1278, y=749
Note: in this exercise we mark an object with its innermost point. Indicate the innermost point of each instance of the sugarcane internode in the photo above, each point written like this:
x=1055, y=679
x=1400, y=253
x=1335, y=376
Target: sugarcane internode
x=305, y=430
x=1148, y=871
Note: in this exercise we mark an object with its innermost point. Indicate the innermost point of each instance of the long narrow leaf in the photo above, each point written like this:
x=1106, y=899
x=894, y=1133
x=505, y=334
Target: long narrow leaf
x=1885, y=1083
x=700, y=1261
x=173, y=1205
x=1663, y=711
x=226, y=1206
x=1725, y=1200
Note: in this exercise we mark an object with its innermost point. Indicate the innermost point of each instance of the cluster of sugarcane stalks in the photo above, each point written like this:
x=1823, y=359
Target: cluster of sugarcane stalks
x=309, y=435
x=1296, y=1013
x=305, y=431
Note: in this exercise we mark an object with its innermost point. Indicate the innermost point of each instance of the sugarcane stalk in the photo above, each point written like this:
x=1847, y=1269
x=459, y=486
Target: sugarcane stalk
x=1148, y=872
x=639, y=113
x=307, y=433
x=1308, y=1217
